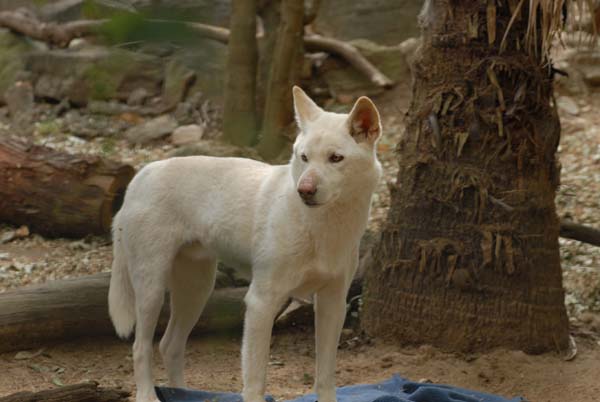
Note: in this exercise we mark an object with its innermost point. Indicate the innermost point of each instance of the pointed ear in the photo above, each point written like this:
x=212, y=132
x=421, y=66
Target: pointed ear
x=364, y=121
x=305, y=109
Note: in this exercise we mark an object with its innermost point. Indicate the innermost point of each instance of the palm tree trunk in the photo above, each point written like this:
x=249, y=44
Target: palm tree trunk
x=469, y=259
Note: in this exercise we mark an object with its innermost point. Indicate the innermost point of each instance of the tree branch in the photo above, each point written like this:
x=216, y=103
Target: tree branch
x=350, y=54
x=61, y=34
x=585, y=234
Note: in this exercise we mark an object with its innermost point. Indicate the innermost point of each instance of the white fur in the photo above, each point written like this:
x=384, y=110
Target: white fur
x=182, y=214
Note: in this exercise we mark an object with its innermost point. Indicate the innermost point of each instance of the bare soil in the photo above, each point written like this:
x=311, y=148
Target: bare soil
x=213, y=364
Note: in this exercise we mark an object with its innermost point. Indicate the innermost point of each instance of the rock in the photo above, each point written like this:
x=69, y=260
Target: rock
x=90, y=126
x=591, y=74
x=26, y=354
x=68, y=10
x=93, y=74
x=192, y=110
x=138, y=97
x=216, y=148
x=187, y=134
x=213, y=12
x=151, y=130
x=178, y=79
x=582, y=68
x=12, y=51
x=7, y=237
x=208, y=61
x=384, y=21
x=20, y=102
x=568, y=105
x=22, y=231
x=78, y=44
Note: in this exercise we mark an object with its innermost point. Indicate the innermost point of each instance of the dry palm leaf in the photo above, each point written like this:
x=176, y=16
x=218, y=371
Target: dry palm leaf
x=545, y=20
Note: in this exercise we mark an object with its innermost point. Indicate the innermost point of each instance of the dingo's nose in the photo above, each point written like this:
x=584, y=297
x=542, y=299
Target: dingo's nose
x=307, y=191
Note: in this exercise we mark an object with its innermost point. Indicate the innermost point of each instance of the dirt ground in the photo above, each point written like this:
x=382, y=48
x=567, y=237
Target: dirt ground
x=213, y=362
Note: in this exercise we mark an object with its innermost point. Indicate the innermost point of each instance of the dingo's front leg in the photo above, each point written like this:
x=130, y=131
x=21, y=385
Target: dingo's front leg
x=261, y=308
x=330, y=312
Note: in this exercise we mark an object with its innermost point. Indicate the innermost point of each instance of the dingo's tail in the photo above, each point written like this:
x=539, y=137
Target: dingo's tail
x=121, y=299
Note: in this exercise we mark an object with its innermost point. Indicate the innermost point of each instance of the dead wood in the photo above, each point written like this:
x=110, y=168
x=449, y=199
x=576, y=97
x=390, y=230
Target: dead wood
x=59, y=194
x=318, y=43
x=34, y=316
x=61, y=34
x=84, y=392
x=56, y=34
x=575, y=231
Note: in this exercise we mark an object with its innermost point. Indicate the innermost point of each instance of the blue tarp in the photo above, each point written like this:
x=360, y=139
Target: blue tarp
x=396, y=389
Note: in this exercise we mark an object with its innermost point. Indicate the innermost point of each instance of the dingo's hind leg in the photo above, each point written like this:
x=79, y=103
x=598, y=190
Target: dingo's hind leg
x=190, y=283
x=148, y=280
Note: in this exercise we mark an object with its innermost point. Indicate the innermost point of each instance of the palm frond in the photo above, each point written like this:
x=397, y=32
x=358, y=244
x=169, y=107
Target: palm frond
x=545, y=21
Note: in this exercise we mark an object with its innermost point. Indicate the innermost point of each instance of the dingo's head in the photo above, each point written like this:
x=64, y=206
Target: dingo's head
x=334, y=154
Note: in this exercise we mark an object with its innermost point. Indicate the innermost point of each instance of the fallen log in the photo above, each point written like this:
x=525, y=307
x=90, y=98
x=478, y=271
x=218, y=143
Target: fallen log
x=33, y=316
x=585, y=234
x=59, y=194
x=61, y=34
x=84, y=392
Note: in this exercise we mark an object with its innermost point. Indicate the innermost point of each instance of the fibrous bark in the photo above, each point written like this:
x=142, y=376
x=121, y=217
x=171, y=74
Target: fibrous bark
x=61, y=310
x=468, y=259
x=285, y=71
x=59, y=194
x=239, y=111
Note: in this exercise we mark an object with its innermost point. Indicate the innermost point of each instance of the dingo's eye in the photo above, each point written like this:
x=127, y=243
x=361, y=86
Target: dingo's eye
x=304, y=158
x=335, y=158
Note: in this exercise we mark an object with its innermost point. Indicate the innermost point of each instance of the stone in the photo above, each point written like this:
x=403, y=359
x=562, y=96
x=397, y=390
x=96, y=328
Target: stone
x=177, y=82
x=568, y=105
x=94, y=73
x=187, y=134
x=13, y=49
x=208, y=61
x=20, y=102
x=7, y=237
x=138, y=97
x=92, y=125
x=68, y=10
x=216, y=148
x=151, y=130
x=22, y=231
x=582, y=68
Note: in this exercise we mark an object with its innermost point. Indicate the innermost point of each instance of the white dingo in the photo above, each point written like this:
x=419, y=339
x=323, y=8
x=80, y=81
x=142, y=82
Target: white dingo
x=297, y=226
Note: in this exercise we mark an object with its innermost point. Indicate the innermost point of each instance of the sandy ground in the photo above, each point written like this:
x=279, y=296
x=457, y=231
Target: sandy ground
x=213, y=363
